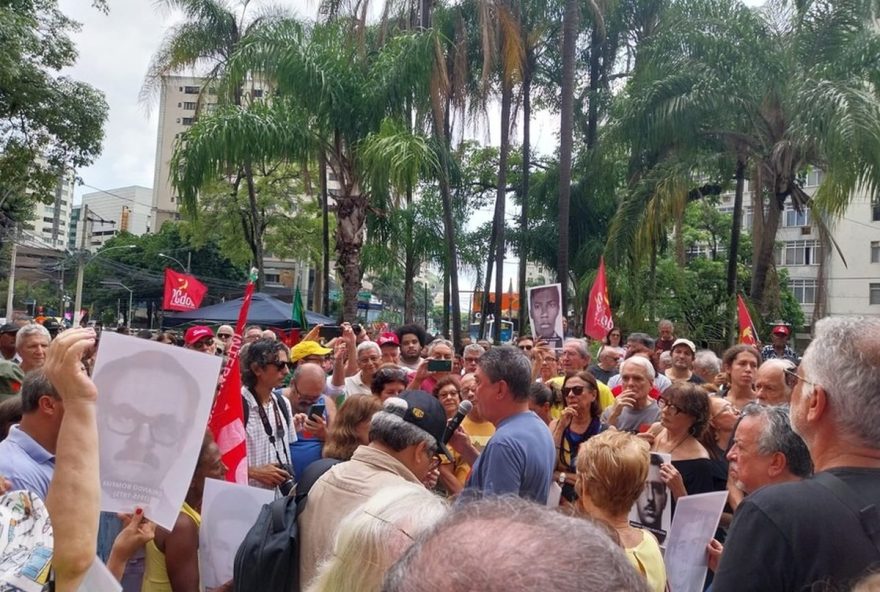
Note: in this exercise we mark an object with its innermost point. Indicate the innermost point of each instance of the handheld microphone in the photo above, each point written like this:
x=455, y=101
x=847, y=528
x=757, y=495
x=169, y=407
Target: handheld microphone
x=463, y=409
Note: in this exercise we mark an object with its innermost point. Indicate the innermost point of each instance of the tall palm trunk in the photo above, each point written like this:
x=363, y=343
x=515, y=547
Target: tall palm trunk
x=566, y=121
x=733, y=252
x=764, y=255
x=255, y=235
x=325, y=233
x=351, y=218
x=506, y=100
x=409, y=266
x=487, y=287
x=524, y=189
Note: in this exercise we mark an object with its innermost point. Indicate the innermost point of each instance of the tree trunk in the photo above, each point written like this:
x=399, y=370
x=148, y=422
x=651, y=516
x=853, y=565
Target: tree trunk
x=522, y=313
x=451, y=255
x=445, y=329
x=351, y=215
x=566, y=122
x=256, y=224
x=764, y=254
x=595, y=74
x=506, y=100
x=409, y=265
x=325, y=232
x=733, y=251
x=487, y=281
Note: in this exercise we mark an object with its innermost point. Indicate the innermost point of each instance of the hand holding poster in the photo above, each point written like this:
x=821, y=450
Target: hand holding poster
x=545, y=314
x=653, y=510
x=686, y=558
x=152, y=412
x=229, y=510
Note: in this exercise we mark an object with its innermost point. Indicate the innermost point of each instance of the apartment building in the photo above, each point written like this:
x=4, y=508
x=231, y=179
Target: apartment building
x=50, y=224
x=110, y=212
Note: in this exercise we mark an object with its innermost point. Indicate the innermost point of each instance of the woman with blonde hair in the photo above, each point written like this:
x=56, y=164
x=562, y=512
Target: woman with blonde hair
x=374, y=536
x=612, y=468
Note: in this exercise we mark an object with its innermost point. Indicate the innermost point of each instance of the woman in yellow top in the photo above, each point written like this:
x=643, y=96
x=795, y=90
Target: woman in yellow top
x=172, y=557
x=612, y=468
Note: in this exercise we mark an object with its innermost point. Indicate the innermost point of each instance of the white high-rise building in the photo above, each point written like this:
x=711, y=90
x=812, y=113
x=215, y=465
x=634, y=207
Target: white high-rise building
x=50, y=223
x=113, y=211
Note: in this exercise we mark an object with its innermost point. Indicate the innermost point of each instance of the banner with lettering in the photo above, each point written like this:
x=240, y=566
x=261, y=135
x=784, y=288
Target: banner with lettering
x=598, y=319
x=182, y=291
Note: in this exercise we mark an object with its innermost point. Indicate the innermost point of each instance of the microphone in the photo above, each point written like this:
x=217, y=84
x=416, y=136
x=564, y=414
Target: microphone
x=463, y=409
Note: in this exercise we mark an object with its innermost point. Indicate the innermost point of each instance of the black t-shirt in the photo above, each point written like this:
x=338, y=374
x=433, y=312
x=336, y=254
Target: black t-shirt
x=798, y=536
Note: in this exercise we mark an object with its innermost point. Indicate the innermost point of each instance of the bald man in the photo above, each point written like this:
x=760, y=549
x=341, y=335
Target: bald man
x=772, y=385
x=307, y=389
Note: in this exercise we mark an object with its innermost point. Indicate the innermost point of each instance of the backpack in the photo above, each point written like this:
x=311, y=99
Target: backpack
x=246, y=412
x=268, y=558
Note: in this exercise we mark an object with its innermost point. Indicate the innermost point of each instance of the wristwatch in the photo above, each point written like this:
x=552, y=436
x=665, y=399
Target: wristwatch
x=561, y=479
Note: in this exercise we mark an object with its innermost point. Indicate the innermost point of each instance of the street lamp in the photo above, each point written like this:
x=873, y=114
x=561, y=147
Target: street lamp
x=182, y=266
x=130, y=298
x=80, y=270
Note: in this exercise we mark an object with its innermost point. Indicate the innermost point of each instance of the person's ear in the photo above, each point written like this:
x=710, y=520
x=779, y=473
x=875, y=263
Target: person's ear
x=778, y=464
x=817, y=403
x=48, y=404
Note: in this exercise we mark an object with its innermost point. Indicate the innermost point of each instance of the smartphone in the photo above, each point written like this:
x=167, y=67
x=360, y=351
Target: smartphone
x=317, y=409
x=330, y=332
x=439, y=365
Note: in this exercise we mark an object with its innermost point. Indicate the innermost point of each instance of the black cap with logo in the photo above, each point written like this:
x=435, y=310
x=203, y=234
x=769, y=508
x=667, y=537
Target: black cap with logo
x=423, y=410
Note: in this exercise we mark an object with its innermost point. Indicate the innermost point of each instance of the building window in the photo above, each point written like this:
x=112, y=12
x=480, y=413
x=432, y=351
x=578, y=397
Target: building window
x=874, y=297
x=814, y=178
x=48, y=219
x=804, y=290
x=273, y=278
x=799, y=252
x=190, y=90
x=794, y=218
x=875, y=210
x=258, y=93
x=189, y=106
x=187, y=121
x=875, y=251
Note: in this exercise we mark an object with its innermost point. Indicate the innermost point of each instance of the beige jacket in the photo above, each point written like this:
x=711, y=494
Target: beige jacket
x=335, y=495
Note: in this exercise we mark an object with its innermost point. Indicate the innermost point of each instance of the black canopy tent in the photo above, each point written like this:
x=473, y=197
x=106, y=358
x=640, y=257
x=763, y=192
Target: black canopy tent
x=265, y=311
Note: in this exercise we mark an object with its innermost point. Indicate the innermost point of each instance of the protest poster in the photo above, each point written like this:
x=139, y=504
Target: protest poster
x=686, y=557
x=545, y=314
x=653, y=510
x=153, y=406
x=229, y=510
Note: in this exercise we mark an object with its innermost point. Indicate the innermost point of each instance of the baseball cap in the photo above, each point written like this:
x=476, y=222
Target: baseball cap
x=9, y=328
x=388, y=339
x=303, y=349
x=781, y=330
x=687, y=342
x=195, y=334
x=11, y=377
x=424, y=411
x=51, y=324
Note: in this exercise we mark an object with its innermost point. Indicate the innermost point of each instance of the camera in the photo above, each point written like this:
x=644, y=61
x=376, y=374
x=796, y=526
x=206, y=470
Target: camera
x=288, y=486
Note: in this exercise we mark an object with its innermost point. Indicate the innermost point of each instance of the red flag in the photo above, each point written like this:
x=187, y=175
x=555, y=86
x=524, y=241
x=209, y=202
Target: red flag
x=598, y=319
x=747, y=333
x=227, y=416
x=182, y=291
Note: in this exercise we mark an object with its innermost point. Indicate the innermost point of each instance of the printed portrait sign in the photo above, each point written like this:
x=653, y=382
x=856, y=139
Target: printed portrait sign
x=696, y=518
x=653, y=510
x=153, y=406
x=229, y=510
x=545, y=314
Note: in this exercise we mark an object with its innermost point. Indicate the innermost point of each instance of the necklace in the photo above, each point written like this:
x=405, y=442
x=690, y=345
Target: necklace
x=680, y=442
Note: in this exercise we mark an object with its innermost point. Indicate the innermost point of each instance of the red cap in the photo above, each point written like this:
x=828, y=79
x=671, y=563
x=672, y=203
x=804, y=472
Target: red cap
x=195, y=334
x=388, y=338
x=781, y=330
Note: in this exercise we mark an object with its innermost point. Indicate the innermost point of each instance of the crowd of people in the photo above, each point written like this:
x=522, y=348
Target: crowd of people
x=422, y=466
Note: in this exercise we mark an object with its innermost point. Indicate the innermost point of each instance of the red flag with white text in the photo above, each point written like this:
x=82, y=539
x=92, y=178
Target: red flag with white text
x=182, y=291
x=747, y=333
x=598, y=320
x=227, y=416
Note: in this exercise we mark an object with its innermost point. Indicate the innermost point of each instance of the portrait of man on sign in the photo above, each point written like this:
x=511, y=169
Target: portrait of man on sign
x=545, y=314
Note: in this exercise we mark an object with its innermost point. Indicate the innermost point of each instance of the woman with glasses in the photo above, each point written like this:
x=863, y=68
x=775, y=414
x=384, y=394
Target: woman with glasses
x=614, y=338
x=578, y=423
x=454, y=472
x=684, y=417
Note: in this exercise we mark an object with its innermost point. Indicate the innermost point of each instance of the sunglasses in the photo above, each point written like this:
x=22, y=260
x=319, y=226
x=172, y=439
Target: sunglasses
x=224, y=336
x=280, y=365
x=576, y=390
x=526, y=347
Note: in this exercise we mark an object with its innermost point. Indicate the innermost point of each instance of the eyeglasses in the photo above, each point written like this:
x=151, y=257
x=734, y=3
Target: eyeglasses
x=793, y=377
x=448, y=394
x=728, y=408
x=673, y=408
x=125, y=421
x=435, y=461
x=280, y=365
x=577, y=391
x=224, y=336
x=203, y=344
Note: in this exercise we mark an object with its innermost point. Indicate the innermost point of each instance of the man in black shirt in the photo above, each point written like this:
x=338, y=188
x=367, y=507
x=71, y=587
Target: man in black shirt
x=804, y=535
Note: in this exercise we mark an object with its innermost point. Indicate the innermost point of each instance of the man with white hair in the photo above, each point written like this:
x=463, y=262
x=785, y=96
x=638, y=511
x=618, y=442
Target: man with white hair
x=608, y=362
x=31, y=343
x=575, y=357
x=707, y=365
x=772, y=385
x=822, y=531
x=369, y=358
x=634, y=410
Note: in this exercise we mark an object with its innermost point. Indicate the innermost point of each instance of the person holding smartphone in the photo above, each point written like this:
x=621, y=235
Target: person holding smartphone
x=437, y=365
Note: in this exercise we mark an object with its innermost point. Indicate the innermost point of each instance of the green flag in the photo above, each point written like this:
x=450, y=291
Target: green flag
x=298, y=314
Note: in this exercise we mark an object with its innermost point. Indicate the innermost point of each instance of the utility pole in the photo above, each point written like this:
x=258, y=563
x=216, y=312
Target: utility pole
x=81, y=265
x=11, y=288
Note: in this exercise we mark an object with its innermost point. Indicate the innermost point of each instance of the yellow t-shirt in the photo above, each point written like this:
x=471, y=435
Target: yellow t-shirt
x=648, y=561
x=480, y=434
x=606, y=398
x=155, y=570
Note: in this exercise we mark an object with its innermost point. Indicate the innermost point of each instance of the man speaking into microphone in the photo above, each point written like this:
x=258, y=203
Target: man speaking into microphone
x=519, y=458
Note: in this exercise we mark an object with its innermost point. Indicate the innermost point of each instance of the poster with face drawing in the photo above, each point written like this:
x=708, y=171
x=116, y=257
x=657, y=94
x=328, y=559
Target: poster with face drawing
x=153, y=406
x=696, y=518
x=229, y=510
x=653, y=510
x=545, y=314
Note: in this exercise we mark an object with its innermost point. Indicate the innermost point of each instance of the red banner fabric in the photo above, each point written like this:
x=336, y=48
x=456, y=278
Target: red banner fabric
x=747, y=333
x=227, y=416
x=598, y=319
x=182, y=292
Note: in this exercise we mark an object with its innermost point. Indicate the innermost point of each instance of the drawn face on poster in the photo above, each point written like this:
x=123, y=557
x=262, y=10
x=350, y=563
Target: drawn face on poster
x=696, y=518
x=229, y=511
x=652, y=510
x=153, y=408
x=545, y=313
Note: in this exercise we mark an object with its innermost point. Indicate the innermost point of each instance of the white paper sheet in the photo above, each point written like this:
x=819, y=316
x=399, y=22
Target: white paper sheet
x=545, y=313
x=99, y=579
x=686, y=557
x=153, y=406
x=229, y=510
x=653, y=510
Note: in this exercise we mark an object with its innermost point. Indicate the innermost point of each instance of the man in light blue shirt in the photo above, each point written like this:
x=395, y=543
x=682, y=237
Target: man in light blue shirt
x=27, y=455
